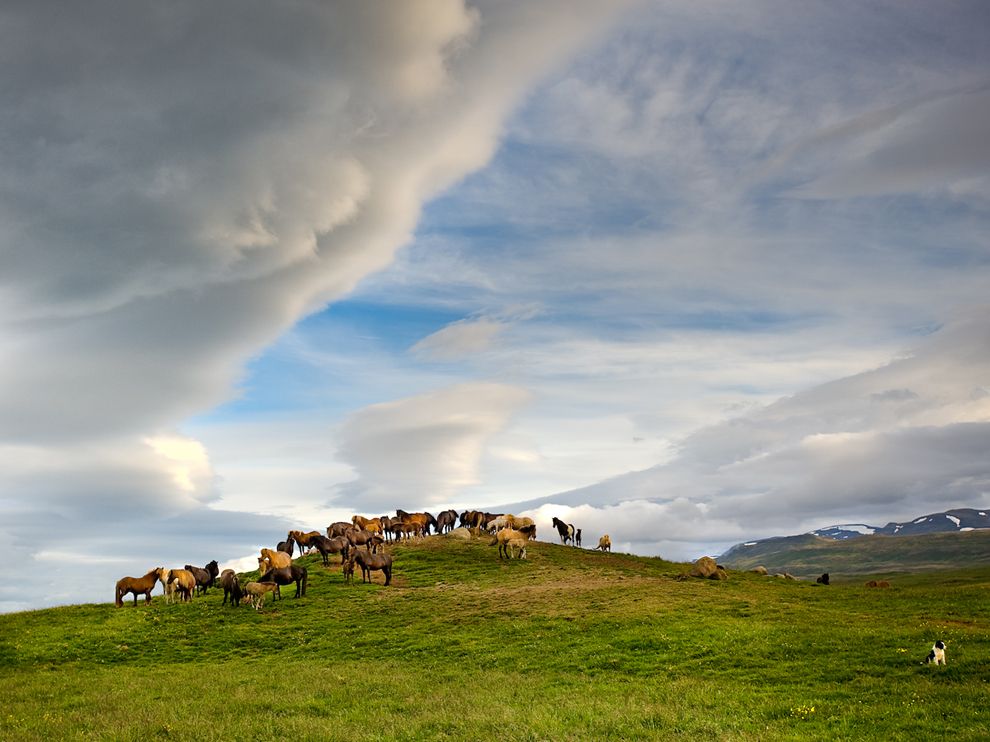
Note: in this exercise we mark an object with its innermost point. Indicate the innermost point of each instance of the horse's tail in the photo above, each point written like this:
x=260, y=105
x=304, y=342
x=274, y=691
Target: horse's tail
x=117, y=599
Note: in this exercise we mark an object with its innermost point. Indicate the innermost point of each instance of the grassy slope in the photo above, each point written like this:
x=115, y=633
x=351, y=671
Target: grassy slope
x=567, y=645
x=809, y=556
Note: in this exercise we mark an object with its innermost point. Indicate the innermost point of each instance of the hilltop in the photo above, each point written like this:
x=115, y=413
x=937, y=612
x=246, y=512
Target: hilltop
x=569, y=644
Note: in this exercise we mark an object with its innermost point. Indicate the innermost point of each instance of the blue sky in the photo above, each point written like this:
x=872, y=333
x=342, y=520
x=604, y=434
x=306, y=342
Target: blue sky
x=689, y=275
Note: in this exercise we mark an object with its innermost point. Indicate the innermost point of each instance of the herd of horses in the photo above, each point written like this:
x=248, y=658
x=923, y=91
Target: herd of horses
x=276, y=569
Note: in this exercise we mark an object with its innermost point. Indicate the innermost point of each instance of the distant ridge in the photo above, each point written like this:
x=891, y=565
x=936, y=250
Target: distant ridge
x=933, y=541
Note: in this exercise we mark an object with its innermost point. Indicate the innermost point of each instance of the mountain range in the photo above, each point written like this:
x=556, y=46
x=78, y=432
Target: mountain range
x=955, y=537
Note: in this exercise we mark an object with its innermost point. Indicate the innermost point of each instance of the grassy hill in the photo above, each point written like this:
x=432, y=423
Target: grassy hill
x=567, y=645
x=808, y=555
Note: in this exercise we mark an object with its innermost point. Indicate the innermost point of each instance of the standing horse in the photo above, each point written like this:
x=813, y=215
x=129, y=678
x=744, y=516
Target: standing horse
x=287, y=575
x=446, y=520
x=205, y=576
x=566, y=530
x=231, y=587
x=327, y=546
x=273, y=560
x=371, y=563
x=287, y=546
x=137, y=585
x=184, y=582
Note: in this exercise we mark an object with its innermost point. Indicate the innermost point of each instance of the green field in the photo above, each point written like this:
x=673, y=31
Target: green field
x=567, y=645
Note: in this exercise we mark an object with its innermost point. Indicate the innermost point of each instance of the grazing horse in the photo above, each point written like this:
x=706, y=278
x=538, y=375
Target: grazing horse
x=286, y=576
x=338, y=529
x=371, y=563
x=503, y=537
x=231, y=587
x=604, y=543
x=273, y=560
x=185, y=583
x=566, y=530
x=288, y=546
x=446, y=520
x=327, y=546
x=137, y=585
x=256, y=592
x=205, y=576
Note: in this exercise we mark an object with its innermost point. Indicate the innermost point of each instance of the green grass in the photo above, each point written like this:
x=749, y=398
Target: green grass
x=568, y=645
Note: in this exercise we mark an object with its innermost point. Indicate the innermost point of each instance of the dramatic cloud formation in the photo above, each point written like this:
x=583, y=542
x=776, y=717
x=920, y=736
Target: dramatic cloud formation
x=710, y=274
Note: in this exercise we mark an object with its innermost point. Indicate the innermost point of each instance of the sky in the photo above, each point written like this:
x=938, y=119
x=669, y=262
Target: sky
x=684, y=273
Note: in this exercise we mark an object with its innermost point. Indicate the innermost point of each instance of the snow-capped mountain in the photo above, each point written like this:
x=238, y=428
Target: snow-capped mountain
x=955, y=520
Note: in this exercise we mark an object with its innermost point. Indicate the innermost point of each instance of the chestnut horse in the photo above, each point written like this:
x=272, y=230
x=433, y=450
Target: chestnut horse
x=273, y=560
x=137, y=585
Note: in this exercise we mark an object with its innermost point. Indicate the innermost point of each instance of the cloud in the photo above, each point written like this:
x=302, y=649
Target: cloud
x=458, y=340
x=423, y=449
x=845, y=451
x=180, y=186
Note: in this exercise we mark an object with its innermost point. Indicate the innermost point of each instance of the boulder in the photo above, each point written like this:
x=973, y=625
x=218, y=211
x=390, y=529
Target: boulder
x=460, y=533
x=707, y=568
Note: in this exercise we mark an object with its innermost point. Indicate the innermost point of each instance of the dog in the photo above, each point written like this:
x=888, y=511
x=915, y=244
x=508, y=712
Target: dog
x=937, y=655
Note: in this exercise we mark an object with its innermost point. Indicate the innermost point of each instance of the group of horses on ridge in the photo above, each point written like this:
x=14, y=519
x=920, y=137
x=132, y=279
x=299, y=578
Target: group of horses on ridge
x=276, y=569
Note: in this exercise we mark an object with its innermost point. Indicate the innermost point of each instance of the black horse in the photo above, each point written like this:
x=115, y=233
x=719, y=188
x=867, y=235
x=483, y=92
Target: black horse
x=288, y=546
x=370, y=563
x=231, y=587
x=446, y=520
x=566, y=530
x=286, y=576
x=205, y=576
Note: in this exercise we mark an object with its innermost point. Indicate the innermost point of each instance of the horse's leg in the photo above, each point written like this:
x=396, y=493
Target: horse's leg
x=388, y=575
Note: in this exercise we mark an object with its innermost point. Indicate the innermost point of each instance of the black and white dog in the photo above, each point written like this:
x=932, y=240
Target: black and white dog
x=937, y=655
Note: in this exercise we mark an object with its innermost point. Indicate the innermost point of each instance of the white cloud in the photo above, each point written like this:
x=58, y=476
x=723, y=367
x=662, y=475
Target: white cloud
x=423, y=449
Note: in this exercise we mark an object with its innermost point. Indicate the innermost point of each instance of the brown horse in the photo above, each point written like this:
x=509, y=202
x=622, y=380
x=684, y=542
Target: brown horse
x=338, y=529
x=302, y=539
x=371, y=563
x=184, y=583
x=367, y=524
x=205, y=576
x=137, y=585
x=273, y=560
x=231, y=587
x=286, y=576
x=288, y=546
x=446, y=520
x=327, y=546
x=367, y=539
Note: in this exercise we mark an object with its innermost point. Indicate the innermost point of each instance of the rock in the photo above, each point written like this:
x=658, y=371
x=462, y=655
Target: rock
x=460, y=533
x=707, y=568
x=761, y=570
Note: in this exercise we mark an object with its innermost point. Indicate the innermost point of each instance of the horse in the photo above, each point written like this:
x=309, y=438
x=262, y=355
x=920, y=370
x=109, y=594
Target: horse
x=273, y=560
x=168, y=590
x=231, y=587
x=423, y=520
x=367, y=539
x=367, y=524
x=287, y=575
x=302, y=539
x=497, y=524
x=408, y=529
x=528, y=531
x=338, y=529
x=604, y=543
x=327, y=546
x=503, y=537
x=256, y=592
x=205, y=576
x=517, y=547
x=473, y=519
x=287, y=546
x=566, y=530
x=577, y=537
x=372, y=563
x=185, y=583
x=137, y=585
x=446, y=520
